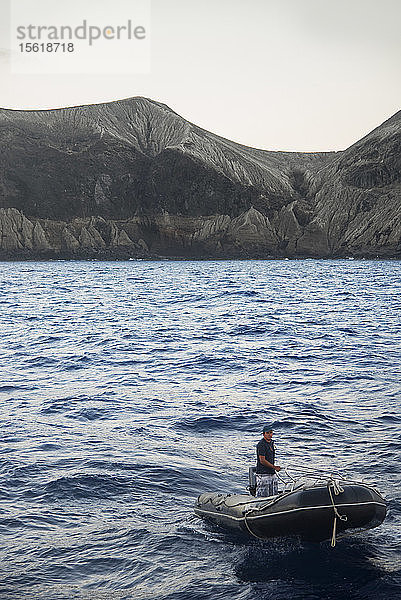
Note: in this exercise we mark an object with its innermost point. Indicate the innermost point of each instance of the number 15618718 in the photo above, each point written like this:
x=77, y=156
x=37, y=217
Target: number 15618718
x=47, y=47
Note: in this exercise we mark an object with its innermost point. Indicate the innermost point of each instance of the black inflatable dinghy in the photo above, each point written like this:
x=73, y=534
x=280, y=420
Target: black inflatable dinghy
x=314, y=509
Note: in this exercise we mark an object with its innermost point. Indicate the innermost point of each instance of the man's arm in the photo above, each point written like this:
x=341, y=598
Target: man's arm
x=267, y=464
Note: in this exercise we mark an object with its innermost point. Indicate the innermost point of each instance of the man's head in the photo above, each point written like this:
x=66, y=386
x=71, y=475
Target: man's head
x=267, y=433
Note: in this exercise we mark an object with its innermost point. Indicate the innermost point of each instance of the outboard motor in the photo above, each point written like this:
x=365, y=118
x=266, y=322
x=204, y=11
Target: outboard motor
x=252, y=481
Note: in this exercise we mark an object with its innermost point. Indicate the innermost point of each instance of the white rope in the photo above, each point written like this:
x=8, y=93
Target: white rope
x=250, y=530
x=337, y=490
x=314, y=470
x=337, y=487
x=333, y=537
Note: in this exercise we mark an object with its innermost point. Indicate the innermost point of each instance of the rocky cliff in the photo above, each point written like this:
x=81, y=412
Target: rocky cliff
x=133, y=179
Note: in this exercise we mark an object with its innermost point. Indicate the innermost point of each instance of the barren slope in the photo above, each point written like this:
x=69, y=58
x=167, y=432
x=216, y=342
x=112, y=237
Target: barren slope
x=133, y=178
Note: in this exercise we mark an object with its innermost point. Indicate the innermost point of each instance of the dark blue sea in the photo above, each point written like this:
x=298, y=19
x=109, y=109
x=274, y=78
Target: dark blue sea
x=128, y=388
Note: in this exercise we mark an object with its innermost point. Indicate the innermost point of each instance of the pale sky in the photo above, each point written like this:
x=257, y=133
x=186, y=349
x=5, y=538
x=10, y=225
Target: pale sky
x=305, y=75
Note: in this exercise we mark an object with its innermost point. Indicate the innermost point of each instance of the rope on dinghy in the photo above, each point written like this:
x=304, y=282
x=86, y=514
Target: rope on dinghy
x=250, y=530
x=314, y=470
x=333, y=483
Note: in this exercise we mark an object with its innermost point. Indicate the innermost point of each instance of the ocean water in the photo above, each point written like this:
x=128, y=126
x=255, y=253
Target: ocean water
x=128, y=388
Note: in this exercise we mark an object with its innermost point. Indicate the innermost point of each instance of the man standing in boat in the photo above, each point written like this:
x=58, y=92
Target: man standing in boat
x=266, y=478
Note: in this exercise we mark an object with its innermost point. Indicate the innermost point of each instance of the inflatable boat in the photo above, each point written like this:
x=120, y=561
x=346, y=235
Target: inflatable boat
x=315, y=509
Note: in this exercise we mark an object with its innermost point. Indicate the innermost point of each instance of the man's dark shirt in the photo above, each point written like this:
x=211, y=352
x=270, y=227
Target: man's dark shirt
x=265, y=449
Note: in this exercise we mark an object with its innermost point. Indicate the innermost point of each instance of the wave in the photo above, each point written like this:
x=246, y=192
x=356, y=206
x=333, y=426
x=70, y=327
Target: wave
x=17, y=388
x=207, y=424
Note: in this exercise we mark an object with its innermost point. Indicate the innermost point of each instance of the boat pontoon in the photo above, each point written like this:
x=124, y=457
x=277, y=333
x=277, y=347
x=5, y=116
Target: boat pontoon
x=314, y=506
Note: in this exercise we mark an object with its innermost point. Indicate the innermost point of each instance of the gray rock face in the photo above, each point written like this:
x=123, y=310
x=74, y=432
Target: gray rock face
x=18, y=233
x=133, y=179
